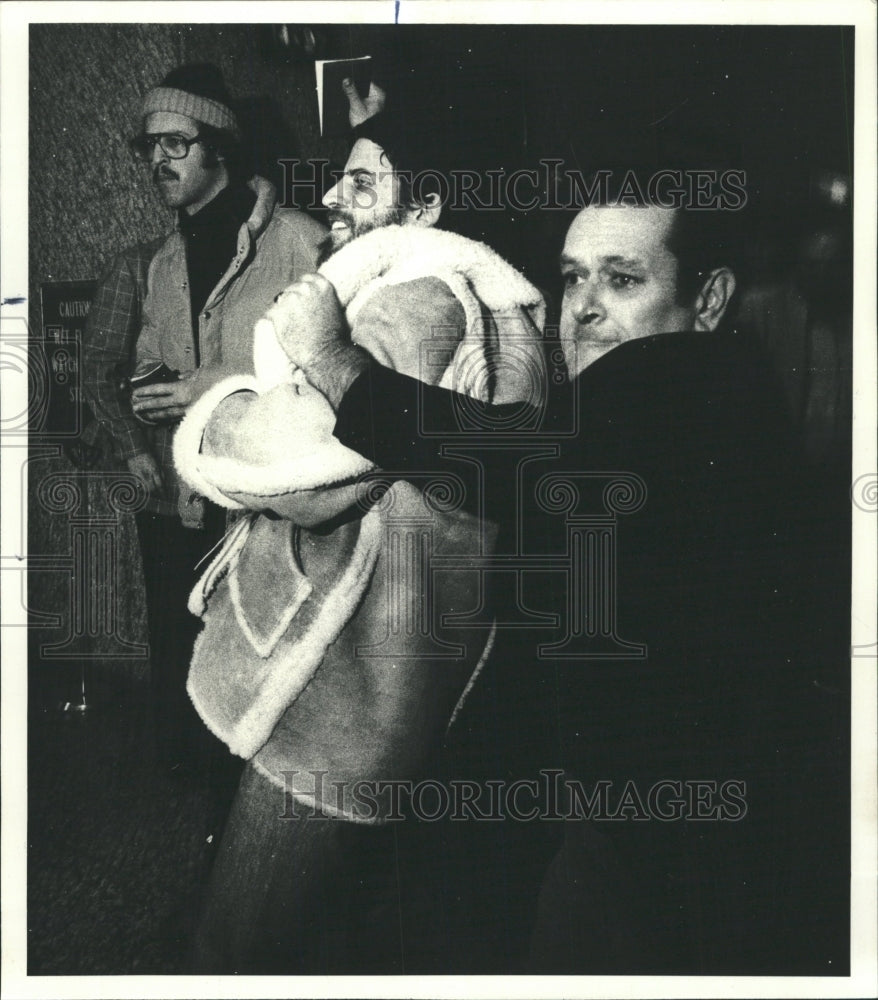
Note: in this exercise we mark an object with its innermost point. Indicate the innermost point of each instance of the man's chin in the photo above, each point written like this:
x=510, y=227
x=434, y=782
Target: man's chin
x=333, y=242
x=166, y=188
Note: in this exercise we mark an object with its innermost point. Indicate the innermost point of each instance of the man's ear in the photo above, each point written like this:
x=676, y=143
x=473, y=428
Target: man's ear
x=713, y=299
x=426, y=212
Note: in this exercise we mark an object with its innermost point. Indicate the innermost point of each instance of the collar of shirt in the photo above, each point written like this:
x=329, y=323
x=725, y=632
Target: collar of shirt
x=228, y=210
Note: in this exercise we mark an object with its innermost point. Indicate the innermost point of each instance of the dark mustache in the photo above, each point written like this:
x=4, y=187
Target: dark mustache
x=335, y=216
x=162, y=172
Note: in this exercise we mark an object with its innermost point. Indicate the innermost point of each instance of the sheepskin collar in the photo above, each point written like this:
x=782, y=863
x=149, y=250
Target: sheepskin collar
x=481, y=280
x=414, y=252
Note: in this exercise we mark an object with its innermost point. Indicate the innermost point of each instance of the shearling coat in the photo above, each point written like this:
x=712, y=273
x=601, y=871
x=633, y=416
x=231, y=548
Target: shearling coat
x=345, y=651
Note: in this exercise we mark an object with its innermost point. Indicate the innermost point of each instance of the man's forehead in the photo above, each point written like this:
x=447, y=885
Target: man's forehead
x=619, y=233
x=170, y=121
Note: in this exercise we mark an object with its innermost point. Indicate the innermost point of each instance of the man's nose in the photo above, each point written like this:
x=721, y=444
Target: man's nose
x=157, y=154
x=334, y=196
x=586, y=306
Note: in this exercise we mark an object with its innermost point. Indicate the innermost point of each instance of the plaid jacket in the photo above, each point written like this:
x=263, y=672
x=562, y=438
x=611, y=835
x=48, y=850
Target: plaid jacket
x=111, y=333
x=275, y=246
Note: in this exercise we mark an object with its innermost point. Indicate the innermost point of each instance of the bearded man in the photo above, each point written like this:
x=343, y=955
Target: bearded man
x=325, y=659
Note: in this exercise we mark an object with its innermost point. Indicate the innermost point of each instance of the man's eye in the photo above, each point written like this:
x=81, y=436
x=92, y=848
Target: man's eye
x=570, y=278
x=619, y=280
x=362, y=181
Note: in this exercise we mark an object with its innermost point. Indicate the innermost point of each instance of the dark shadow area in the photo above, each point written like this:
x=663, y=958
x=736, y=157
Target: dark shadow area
x=119, y=851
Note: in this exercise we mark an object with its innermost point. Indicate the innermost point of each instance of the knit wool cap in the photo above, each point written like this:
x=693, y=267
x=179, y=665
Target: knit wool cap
x=198, y=91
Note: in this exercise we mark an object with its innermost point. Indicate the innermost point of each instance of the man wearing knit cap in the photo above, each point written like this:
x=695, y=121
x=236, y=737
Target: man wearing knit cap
x=231, y=253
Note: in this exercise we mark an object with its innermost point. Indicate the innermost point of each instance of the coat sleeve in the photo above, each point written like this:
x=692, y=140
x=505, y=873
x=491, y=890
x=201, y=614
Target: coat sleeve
x=114, y=323
x=407, y=428
x=149, y=347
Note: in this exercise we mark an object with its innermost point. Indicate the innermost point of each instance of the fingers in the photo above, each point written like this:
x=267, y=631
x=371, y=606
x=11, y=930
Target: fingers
x=153, y=480
x=301, y=295
x=158, y=411
x=163, y=415
x=307, y=319
x=358, y=110
x=318, y=282
x=375, y=99
x=304, y=286
x=151, y=404
x=153, y=391
x=151, y=399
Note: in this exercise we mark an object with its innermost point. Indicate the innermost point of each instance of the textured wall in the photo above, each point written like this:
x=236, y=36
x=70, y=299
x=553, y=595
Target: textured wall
x=84, y=201
x=519, y=91
x=88, y=199
x=87, y=196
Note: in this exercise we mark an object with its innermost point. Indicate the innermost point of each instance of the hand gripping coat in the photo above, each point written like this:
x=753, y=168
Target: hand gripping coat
x=335, y=638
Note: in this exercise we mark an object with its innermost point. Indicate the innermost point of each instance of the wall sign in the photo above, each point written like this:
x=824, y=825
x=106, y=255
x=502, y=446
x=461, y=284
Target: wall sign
x=57, y=407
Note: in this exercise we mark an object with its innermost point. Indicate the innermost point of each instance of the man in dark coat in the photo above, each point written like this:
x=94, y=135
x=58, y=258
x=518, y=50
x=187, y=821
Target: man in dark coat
x=710, y=720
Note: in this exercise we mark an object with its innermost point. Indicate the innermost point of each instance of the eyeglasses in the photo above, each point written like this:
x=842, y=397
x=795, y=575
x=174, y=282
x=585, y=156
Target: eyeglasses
x=173, y=145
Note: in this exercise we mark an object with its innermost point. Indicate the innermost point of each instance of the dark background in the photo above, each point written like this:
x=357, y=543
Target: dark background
x=777, y=102
x=779, y=99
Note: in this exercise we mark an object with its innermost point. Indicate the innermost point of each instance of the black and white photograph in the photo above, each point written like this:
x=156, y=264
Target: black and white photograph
x=439, y=499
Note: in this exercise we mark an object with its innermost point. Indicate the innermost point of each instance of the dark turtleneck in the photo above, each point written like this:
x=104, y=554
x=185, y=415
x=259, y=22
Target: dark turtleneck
x=211, y=236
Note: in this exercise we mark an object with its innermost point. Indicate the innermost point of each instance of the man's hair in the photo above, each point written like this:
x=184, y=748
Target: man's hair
x=410, y=150
x=221, y=144
x=414, y=189
x=702, y=241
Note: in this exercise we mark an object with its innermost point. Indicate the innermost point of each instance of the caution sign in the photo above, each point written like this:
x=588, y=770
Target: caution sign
x=57, y=406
